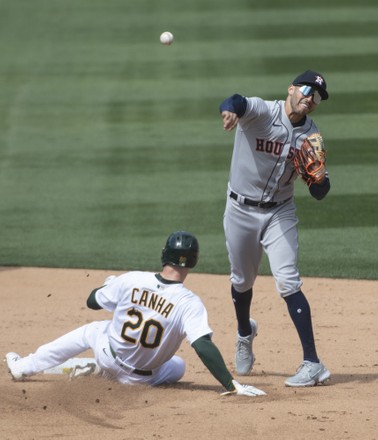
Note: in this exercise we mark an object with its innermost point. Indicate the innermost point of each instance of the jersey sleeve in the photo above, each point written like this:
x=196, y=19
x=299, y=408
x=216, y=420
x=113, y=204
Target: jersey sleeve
x=256, y=108
x=195, y=321
x=235, y=104
x=108, y=296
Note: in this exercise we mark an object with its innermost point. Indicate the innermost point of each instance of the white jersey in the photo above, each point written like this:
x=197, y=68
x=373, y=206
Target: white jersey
x=262, y=166
x=151, y=317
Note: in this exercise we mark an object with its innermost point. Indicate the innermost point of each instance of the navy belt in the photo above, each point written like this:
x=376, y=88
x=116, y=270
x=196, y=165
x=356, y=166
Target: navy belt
x=132, y=370
x=249, y=202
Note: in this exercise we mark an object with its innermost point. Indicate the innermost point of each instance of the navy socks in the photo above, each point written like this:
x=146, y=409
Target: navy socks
x=300, y=313
x=242, y=302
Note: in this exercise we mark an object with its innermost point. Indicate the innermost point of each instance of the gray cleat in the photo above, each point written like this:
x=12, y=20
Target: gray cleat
x=309, y=374
x=245, y=358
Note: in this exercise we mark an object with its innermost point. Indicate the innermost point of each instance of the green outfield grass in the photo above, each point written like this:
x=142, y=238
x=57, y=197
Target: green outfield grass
x=109, y=140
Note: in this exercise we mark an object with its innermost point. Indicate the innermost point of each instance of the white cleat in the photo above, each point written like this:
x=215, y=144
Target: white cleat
x=12, y=359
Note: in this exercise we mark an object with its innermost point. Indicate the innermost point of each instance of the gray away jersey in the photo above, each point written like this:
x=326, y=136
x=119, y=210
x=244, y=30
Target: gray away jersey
x=262, y=166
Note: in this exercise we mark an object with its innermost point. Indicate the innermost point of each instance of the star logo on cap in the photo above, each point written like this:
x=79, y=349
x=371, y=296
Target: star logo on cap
x=319, y=80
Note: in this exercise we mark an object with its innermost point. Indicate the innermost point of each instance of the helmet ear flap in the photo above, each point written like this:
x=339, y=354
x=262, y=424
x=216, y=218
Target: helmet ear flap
x=181, y=249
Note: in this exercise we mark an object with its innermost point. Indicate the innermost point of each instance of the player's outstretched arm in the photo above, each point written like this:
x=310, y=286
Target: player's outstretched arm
x=231, y=110
x=210, y=355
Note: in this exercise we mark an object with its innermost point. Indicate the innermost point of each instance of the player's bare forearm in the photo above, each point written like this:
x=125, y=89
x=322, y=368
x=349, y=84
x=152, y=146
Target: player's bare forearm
x=230, y=120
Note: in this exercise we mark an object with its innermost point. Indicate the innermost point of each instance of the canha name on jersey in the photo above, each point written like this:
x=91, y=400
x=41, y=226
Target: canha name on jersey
x=152, y=300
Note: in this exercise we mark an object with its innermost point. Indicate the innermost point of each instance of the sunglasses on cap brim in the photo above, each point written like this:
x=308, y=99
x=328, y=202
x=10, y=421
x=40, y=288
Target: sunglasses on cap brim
x=308, y=91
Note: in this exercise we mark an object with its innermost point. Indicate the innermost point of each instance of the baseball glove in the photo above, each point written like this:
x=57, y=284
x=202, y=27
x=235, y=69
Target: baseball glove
x=310, y=159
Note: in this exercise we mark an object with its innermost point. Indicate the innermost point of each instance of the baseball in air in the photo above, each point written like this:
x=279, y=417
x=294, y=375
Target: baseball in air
x=166, y=38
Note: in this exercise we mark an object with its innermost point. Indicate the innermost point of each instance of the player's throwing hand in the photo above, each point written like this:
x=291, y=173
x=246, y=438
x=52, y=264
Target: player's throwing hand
x=230, y=120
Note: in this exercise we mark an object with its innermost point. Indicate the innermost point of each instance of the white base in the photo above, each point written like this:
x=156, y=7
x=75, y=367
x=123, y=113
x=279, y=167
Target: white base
x=68, y=366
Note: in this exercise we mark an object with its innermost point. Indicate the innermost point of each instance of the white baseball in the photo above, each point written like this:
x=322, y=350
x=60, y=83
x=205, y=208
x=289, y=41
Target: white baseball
x=166, y=38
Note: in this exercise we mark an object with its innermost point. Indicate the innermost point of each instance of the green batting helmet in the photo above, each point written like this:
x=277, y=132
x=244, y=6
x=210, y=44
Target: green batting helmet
x=181, y=249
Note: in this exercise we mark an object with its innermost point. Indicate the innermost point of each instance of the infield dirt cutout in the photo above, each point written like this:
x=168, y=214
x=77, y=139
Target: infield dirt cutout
x=41, y=304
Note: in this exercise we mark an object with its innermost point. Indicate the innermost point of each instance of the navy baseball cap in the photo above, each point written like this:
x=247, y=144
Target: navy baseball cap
x=315, y=79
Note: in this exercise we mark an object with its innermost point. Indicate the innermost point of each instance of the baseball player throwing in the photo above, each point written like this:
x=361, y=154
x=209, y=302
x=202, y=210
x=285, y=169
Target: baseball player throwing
x=260, y=213
x=152, y=314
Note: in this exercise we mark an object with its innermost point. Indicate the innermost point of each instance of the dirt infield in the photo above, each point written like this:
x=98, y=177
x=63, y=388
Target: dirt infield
x=40, y=304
